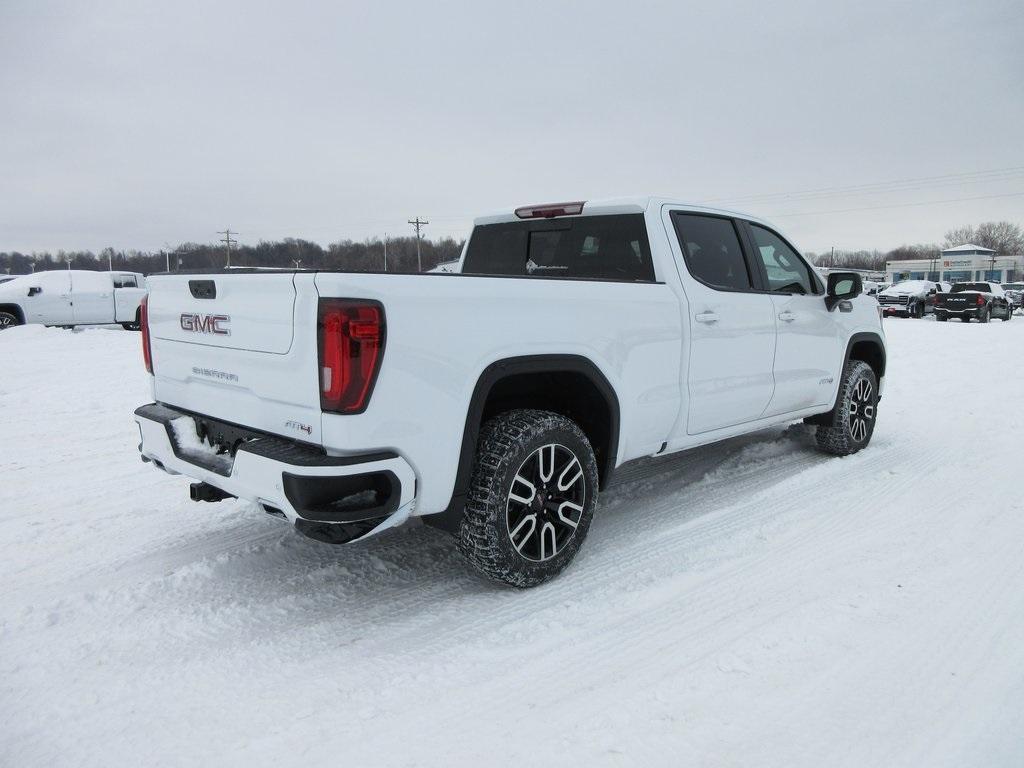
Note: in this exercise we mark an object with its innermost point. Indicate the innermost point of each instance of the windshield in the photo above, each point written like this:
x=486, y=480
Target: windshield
x=15, y=281
x=974, y=287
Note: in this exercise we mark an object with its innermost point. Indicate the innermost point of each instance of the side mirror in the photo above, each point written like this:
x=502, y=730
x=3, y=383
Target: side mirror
x=842, y=286
x=34, y=290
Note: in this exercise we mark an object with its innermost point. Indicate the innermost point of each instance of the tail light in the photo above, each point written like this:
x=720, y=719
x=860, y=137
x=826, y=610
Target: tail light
x=147, y=352
x=981, y=300
x=351, y=345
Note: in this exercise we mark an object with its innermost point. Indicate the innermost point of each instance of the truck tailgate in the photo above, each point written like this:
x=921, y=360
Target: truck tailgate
x=957, y=302
x=225, y=346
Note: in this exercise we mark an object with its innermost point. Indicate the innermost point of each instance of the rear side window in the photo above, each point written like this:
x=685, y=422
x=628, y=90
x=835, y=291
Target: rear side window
x=711, y=247
x=594, y=247
x=787, y=272
x=125, y=281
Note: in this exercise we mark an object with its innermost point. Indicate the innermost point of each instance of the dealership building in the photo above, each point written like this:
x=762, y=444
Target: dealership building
x=962, y=264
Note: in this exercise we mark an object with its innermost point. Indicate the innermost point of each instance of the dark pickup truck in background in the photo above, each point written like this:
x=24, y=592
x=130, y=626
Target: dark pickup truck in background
x=978, y=300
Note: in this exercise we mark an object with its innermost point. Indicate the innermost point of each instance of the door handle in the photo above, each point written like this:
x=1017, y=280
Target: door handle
x=786, y=316
x=706, y=317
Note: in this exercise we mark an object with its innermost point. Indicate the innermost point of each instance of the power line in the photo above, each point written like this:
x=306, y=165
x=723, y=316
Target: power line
x=228, y=242
x=898, y=205
x=892, y=185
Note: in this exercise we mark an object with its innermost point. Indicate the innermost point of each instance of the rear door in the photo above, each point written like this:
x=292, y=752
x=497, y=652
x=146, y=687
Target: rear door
x=732, y=325
x=92, y=297
x=808, y=350
x=239, y=347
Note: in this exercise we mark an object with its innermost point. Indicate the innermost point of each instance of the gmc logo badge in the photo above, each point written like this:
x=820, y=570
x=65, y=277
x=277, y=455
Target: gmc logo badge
x=216, y=324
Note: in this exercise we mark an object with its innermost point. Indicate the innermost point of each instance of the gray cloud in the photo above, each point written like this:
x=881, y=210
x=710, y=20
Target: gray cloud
x=130, y=124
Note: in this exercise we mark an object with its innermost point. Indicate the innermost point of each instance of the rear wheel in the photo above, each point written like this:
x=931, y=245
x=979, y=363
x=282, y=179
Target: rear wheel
x=8, y=320
x=985, y=315
x=918, y=311
x=532, y=497
x=852, y=422
x=941, y=318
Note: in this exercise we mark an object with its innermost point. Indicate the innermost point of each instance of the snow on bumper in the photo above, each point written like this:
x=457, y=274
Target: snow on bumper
x=366, y=493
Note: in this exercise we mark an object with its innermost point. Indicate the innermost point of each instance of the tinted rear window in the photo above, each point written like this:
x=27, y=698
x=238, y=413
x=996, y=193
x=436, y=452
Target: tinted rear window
x=595, y=247
x=979, y=287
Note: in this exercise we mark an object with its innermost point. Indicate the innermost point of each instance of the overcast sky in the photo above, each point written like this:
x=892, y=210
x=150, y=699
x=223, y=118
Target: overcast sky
x=133, y=124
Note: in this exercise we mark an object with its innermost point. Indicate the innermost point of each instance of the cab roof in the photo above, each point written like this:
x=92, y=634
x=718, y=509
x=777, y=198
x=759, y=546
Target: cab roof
x=608, y=206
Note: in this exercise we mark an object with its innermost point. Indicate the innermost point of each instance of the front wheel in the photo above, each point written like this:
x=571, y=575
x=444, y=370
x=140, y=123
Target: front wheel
x=7, y=320
x=851, y=423
x=941, y=318
x=531, y=499
x=985, y=316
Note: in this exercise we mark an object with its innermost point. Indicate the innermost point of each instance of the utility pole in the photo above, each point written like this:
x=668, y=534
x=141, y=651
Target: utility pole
x=418, y=222
x=385, y=251
x=228, y=242
x=110, y=260
x=297, y=262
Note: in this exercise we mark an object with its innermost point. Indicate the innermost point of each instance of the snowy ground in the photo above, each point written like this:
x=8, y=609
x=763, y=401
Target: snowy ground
x=756, y=603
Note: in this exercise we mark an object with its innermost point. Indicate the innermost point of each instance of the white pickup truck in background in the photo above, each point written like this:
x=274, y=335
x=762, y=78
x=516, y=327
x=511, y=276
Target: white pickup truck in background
x=72, y=297
x=496, y=400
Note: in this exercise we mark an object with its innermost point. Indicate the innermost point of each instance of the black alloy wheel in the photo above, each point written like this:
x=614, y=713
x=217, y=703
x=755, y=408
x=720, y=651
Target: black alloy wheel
x=861, y=410
x=545, y=503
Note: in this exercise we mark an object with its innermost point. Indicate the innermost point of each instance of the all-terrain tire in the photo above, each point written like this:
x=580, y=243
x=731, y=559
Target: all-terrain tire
x=495, y=534
x=852, y=422
x=8, y=320
x=1007, y=314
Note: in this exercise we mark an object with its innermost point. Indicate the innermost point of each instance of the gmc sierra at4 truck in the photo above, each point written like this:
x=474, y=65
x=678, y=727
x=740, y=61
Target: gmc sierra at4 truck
x=72, y=297
x=497, y=400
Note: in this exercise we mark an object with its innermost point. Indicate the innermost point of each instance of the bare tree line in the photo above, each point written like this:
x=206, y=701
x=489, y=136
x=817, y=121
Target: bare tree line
x=365, y=256
x=1004, y=237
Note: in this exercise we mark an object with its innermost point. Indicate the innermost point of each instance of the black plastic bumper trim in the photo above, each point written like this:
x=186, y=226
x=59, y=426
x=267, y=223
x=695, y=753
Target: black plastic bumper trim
x=239, y=438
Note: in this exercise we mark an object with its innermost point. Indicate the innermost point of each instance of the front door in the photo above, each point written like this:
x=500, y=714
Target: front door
x=732, y=325
x=48, y=298
x=808, y=351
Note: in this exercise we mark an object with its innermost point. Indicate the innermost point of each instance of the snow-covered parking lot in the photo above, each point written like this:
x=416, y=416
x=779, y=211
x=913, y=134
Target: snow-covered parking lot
x=754, y=603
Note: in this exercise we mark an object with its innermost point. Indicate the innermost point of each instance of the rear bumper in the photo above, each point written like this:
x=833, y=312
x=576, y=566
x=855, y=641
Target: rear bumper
x=361, y=494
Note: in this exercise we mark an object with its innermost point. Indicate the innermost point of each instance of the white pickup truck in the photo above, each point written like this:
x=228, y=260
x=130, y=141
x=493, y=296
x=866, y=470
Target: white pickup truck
x=72, y=297
x=497, y=400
